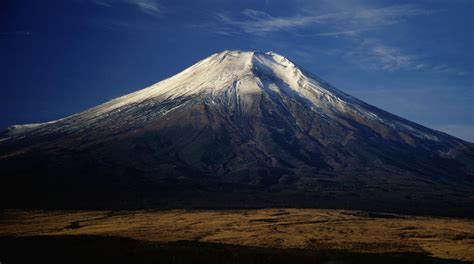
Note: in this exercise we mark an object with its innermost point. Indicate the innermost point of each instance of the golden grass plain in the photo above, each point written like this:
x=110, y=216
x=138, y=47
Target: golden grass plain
x=355, y=231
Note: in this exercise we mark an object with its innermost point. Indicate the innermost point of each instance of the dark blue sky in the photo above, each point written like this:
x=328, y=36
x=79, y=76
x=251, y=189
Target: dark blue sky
x=412, y=58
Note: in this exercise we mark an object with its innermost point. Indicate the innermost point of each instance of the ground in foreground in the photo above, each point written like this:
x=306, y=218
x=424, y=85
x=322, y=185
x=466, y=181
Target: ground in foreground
x=230, y=236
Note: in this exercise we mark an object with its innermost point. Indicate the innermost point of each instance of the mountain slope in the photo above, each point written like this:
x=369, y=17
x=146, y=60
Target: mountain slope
x=240, y=124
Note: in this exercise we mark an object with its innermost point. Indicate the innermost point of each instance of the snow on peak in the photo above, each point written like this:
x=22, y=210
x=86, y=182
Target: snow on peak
x=218, y=72
x=243, y=73
x=239, y=75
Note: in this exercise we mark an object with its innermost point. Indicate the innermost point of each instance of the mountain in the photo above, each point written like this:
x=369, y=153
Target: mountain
x=237, y=129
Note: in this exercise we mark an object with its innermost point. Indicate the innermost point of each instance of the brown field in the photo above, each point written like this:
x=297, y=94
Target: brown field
x=354, y=231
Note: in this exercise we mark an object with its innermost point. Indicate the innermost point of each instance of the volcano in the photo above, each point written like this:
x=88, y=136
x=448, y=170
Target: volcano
x=237, y=129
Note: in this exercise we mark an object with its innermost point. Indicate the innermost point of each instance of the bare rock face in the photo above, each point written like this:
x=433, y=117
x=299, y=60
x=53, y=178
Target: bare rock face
x=237, y=129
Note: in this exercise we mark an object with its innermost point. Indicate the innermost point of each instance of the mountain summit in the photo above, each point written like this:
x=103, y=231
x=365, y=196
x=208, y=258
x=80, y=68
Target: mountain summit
x=251, y=128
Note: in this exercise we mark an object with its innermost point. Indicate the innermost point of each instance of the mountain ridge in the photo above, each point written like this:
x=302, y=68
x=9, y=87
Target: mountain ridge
x=255, y=57
x=248, y=121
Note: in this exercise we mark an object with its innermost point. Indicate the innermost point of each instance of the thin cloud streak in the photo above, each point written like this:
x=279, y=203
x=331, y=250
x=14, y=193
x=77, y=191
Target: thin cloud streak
x=373, y=55
x=340, y=33
x=147, y=6
x=344, y=22
x=150, y=7
x=101, y=3
x=389, y=15
x=262, y=22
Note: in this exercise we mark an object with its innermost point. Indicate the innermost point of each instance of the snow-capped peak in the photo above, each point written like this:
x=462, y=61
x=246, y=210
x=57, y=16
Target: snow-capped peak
x=216, y=74
x=238, y=77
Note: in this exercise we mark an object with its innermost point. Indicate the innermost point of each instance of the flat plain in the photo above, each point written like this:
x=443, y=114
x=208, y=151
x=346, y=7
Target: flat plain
x=308, y=229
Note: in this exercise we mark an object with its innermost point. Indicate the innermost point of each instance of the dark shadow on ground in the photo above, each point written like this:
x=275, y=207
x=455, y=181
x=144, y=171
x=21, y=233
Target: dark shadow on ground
x=97, y=249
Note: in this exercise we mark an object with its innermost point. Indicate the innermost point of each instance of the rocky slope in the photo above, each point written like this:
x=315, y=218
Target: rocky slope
x=237, y=129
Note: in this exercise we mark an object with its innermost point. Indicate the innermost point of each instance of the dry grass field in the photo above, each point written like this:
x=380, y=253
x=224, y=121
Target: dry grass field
x=353, y=231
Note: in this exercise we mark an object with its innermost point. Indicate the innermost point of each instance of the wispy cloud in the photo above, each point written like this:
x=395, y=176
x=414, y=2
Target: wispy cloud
x=361, y=28
x=258, y=22
x=370, y=53
x=150, y=7
x=387, y=15
x=373, y=55
x=340, y=33
x=147, y=6
x=420, y=66
x=102, y=3
x=343, y=23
